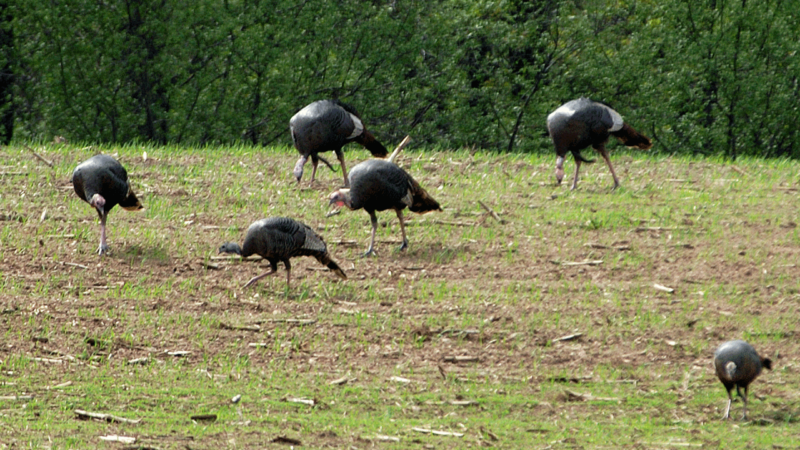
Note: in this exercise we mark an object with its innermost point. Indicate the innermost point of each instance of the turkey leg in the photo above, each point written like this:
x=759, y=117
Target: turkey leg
x=744, y=400
x=340, y=155
x=314, y=163
x=577, y=169
x=374, y=219
x=602, y=149
x=103, y=249
x=272, y=270
x=404, y=245
x=727, y=414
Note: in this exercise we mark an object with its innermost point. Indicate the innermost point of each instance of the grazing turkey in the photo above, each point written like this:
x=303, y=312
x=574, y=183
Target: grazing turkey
x=378, y=185
x=279, y=239
x=738, y=364
x=328, y=125
x=580, y=123
x=102, y=182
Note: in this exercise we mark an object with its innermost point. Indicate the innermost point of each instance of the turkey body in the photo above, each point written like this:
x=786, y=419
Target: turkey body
x=327, y=125
x=737, y=364
x=102, y=182
x=378, y=185
x=280, y=239
x=581, y=123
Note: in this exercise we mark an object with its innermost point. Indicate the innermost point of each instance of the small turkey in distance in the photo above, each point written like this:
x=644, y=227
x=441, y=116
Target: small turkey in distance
x=378, y=185
x=737, y=364
x=102, y=182
x=279, y=239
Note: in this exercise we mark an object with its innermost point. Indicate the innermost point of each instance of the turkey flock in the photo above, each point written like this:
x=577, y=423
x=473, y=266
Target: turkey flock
x=379, y=185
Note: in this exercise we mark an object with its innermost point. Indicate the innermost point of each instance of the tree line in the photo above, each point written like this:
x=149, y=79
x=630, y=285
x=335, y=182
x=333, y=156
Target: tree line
x=709, y=76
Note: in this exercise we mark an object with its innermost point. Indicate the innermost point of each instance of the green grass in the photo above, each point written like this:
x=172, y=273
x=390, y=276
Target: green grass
x=723, y=235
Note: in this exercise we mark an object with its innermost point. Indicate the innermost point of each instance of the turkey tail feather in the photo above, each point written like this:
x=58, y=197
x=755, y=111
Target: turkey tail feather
x=422, y=202
x=331, y=264
x=130, y=202
x=376, y=148
x=632, y=138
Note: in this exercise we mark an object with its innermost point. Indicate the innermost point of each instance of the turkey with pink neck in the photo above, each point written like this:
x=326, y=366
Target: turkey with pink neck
x=102, y=182
x=378, y=185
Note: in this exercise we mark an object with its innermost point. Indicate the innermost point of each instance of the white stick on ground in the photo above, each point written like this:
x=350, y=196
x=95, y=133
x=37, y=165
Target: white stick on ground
x=107, y=417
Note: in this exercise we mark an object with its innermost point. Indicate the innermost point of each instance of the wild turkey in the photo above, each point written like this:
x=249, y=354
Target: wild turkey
x=328, y=125
x=580, y=123
x=378, y=185
x=102, y=182
x=279, y=239
x=738, y=364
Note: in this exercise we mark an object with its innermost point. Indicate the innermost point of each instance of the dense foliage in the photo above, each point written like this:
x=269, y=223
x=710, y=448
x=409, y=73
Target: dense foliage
x=698, y=76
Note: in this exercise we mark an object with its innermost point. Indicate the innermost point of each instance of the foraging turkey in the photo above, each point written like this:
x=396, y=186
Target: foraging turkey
x=378, y=185
x=279, y=239
x=580, y=123
x=328, y=125
x=738, y=364
x=102, y=182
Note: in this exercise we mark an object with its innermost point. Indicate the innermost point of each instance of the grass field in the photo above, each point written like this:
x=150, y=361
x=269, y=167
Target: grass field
x=544, y=331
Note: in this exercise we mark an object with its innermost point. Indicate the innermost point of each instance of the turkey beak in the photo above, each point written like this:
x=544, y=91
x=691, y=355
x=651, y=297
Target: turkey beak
x=333, y=201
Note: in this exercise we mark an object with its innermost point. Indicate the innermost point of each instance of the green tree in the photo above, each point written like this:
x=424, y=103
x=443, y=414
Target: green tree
x=6, y=73
x=507, y=54
x=701, y=77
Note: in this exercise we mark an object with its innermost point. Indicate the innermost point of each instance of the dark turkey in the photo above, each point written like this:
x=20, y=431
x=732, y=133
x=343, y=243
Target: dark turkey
x=328, y=125
x=737, y=364
x=580, y=123
x=279, y=239
x=378, y=185
x=102, y=182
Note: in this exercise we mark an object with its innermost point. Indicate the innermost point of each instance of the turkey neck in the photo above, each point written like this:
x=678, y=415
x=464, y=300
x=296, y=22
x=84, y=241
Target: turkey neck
x=348, y=200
